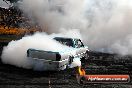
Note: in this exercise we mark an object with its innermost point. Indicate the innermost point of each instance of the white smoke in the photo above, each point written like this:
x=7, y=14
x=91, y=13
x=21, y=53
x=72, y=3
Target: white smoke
x=104, y=25
x=16, y=51
x=53, y=15
x=110, y=26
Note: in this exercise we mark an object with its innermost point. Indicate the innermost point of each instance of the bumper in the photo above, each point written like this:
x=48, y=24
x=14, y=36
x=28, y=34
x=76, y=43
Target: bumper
x=45, y=65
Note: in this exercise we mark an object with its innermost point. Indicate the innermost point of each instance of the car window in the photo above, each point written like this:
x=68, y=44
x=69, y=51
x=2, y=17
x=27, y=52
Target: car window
x=78, y=44
x=67, y=42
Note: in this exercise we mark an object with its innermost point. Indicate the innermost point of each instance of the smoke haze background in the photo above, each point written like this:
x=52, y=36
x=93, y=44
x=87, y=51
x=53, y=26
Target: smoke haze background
x=110, y=26
x=103, y=25
x=16, y=51
x=4, y=4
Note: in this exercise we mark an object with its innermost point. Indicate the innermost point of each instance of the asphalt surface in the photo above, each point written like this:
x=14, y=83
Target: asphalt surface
x=15, y=77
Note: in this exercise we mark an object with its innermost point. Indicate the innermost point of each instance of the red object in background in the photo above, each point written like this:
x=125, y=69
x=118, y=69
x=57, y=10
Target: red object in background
x=82, y=78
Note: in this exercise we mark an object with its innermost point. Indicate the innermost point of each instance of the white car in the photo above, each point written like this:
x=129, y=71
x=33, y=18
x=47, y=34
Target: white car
x=55, y=61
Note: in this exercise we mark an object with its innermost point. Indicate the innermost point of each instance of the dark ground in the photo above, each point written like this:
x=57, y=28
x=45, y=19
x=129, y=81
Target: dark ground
x=98, y=63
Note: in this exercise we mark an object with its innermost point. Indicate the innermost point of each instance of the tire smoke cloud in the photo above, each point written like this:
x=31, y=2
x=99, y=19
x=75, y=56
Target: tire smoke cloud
x=104, y=25
x=16, y=51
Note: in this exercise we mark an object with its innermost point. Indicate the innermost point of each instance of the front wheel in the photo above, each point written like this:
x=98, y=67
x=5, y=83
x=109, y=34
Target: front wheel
x=83, y=59
x=86, y=55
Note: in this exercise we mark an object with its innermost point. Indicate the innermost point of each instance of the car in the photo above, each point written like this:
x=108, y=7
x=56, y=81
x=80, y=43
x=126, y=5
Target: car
x=56, y=61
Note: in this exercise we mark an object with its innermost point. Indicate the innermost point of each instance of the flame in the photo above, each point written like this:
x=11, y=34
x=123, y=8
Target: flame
x=81, y=71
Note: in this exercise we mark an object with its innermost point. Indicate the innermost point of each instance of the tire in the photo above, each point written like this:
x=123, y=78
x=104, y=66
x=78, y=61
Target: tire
x=70, y=59
x=83, y=59
x=86, y=55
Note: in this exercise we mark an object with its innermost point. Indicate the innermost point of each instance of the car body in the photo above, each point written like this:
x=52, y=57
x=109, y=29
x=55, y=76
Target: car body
x=55, y=61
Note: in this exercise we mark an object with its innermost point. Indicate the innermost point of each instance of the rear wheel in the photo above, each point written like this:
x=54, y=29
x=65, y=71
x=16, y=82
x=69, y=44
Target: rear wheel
x=69, y=61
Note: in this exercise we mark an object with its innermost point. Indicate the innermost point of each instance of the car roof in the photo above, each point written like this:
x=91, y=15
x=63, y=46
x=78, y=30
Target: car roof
x=64, y=38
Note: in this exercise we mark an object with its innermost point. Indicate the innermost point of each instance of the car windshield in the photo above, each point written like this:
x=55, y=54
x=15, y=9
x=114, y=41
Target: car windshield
x=67, y=42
